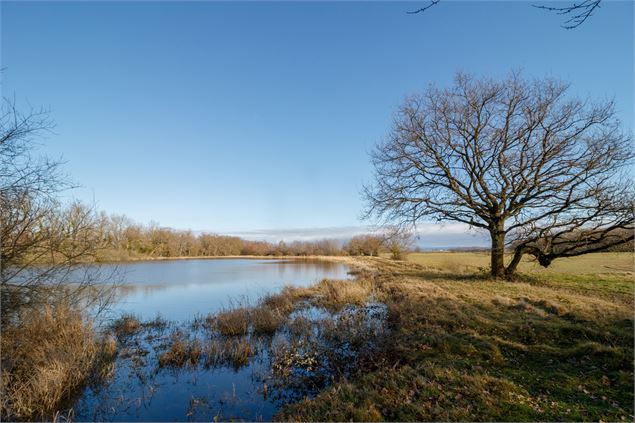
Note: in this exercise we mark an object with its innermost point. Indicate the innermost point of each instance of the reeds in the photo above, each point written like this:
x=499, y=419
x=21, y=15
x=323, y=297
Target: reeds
x=181, y=352
x=234, y=352
x=232, y=322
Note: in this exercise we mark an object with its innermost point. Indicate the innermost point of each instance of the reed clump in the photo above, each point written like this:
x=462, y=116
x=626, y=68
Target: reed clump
x=126, y=325
x=334, y=294
x=234, y=351
x=266, y=321
x=182, y=352
x=283, y=302
x=232, y=322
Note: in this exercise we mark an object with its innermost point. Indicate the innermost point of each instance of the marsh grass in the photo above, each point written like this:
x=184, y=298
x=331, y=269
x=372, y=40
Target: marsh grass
x=126, y=325
x=47, y=359
x=181, y=352
x=266, y=321
x=231, y=322
x=318, y=347
x=234, y=352
x=283, y=302
x=335, y=294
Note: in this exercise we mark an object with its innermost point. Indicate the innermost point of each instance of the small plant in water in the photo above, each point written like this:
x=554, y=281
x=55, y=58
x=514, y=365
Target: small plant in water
x=265, y=320
x=232, y=322
x=126, y=325
x=234, y=352
x=181, y=352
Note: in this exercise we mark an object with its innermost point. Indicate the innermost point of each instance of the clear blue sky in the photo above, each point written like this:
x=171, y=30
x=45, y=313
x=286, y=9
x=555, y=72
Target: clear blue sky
x=243, y=116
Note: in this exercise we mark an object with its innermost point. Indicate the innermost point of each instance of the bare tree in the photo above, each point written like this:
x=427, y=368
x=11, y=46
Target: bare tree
x=398, y=241
x=41, y=241
x=517, y=158
x=575, y=14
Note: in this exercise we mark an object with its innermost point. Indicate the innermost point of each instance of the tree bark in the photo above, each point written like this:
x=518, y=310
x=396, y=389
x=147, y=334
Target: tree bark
x=498, y=252
x=510, y=271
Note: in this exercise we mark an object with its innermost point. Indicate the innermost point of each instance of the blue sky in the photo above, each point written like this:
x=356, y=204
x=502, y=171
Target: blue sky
x=239, y=117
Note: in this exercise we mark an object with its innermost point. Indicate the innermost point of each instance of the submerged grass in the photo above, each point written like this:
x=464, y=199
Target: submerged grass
x=234, y=352
x=181, y=352
x=126, y=325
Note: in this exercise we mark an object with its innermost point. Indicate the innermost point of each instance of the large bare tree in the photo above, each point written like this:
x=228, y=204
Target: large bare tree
x=541, y=171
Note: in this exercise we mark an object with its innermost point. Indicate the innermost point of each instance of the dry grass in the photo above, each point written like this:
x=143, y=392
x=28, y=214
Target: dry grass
x=126, y=325
x=46, y=359
x=182, y=352
x=265, y=321
x=232, y=322
x=283, y=302
x=233, y=351
x=597, y=263
x=335, y=294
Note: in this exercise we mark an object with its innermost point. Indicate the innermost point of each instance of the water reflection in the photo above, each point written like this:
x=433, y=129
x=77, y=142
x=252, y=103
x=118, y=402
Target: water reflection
x=180, y=289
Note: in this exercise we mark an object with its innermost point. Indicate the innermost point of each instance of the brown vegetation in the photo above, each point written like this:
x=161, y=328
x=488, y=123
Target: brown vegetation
x=232, y=322
x=126, y=325
x=47, y=359
x=181, y=352
x=265, y=320
x=550, y=347
x=234, y=351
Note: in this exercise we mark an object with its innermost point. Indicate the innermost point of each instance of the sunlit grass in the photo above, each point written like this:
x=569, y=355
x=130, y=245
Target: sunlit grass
x=596, y=263
x=549, y=347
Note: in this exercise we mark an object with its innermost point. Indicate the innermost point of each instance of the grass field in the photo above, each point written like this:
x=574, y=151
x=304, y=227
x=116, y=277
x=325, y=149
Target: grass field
x=557, y=345
x=598, y=263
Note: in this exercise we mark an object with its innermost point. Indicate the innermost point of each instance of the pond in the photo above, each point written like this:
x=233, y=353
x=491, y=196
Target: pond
x=182, y=291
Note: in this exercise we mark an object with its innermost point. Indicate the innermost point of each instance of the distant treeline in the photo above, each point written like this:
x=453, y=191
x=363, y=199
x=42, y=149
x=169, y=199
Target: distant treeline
x=119, y=238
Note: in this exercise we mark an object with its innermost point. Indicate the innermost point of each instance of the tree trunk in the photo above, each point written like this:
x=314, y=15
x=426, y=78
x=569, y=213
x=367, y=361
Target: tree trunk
x=498, y=252
x=513, y=265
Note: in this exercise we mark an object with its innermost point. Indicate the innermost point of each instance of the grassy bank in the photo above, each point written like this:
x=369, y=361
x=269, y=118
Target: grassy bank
x=553, y=346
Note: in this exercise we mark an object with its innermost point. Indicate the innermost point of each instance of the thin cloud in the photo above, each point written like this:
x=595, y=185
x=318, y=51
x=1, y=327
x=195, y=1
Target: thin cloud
x=427, y=235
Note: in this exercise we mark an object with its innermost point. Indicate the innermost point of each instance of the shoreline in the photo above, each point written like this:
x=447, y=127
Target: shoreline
x=337, y=259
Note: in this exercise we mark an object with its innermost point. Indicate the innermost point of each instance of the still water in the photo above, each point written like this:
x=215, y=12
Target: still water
x=181, y=289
